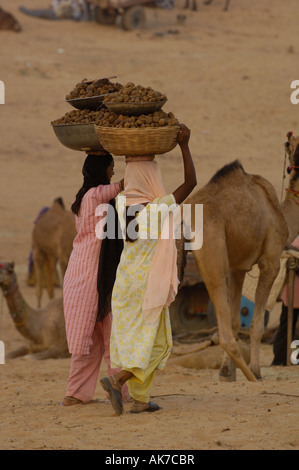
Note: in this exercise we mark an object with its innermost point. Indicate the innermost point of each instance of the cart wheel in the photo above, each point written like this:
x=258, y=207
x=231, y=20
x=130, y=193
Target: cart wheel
x=104, y=16
x=133, y=18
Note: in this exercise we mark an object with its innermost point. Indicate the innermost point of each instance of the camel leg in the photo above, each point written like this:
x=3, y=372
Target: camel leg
x=51, y=353
x=63, y=267
x=268, y=272
x=226, y=337
x=228, y=368
x=51, y=263
x=22, y=351
x=38, y=261
x=216, y=279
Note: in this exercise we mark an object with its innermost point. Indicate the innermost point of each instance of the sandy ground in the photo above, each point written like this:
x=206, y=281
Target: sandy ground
x=227, y=76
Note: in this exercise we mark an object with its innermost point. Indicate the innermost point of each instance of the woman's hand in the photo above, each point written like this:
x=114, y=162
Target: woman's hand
x=183, y=136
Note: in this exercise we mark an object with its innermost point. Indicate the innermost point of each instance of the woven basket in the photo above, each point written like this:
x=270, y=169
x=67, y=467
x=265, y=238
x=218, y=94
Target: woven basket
x=78, y=136
x=138, y=141
x=135, y=109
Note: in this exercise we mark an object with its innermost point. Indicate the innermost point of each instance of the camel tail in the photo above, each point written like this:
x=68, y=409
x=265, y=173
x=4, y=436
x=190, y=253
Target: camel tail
x=181, y=256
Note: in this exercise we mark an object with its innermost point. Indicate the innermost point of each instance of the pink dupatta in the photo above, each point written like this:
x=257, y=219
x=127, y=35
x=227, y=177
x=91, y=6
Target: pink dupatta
x=143, y=183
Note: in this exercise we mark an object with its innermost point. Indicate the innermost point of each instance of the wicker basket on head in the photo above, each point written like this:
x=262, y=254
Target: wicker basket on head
x=138, y=141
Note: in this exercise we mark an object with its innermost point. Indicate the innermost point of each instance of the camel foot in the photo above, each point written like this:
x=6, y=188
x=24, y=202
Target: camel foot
x=258, y=377
x=256, y=372
x=227, y=374
x=227, y=378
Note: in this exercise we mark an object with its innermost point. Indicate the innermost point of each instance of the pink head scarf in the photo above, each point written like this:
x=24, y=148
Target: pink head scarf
x=143, y=183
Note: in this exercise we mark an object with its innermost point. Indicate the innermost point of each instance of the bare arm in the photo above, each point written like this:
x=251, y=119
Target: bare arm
x=183, y=191
x=121, y=183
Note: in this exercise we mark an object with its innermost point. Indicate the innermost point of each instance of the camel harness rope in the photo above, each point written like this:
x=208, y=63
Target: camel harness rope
x=293, y=195
x=283, y=175
x=11, y=290
x=1, y=309
x=21, y=310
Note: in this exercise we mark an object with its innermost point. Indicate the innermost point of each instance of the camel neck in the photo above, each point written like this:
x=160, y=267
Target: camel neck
x=290, y=209
x=15, y=303
x=18, y=309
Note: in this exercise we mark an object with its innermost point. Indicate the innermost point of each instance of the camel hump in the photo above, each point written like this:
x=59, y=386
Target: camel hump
x=59, y=200
x=226, y=170
x=58, y=205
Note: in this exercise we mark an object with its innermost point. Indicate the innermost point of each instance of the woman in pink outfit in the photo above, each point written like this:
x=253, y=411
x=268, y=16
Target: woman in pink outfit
x=89, y=280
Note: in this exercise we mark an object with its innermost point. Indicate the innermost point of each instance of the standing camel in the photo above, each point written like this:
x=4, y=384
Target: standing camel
x=43, y=328
x=243, y=224
x=52, y=240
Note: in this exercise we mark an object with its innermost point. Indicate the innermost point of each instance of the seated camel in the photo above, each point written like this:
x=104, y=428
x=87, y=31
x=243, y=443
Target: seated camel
x=43, y=328
x=52, y=242
x=8, y=21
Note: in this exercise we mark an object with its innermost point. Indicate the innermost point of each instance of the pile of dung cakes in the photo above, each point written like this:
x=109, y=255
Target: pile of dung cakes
x=126, y=107
x=136, y=123
x=131, y=93
x=90, y=88
x=106, y=118
x=75, y=129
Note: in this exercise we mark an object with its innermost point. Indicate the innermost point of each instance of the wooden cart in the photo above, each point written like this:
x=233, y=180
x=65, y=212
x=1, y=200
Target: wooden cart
x=192, y=310
x=131, y=12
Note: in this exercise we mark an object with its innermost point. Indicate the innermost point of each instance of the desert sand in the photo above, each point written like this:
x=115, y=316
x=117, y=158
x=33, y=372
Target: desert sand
x=227, y=76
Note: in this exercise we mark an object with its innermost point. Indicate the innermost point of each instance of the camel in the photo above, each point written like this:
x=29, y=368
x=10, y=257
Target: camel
x=52, y=240
x=193, y=4
x=43, y=328
x=8, y=21
x=243, y=224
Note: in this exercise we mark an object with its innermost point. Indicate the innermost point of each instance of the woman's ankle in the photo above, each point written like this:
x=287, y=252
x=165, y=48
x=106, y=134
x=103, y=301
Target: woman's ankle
x=121, y=377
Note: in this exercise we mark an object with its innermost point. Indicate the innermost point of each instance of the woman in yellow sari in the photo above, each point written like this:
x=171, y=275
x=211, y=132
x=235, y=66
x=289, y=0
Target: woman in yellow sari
x=146, y=280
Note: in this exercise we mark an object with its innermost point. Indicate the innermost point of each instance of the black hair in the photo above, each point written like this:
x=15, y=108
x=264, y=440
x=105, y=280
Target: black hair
x=95, y=173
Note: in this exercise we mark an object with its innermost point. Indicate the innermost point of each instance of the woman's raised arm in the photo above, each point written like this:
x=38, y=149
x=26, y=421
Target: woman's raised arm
x=183, y=191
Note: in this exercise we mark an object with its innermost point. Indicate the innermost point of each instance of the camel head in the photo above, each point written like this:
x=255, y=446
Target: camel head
x=7, y=276
x=292, y=149
x=8, y=21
